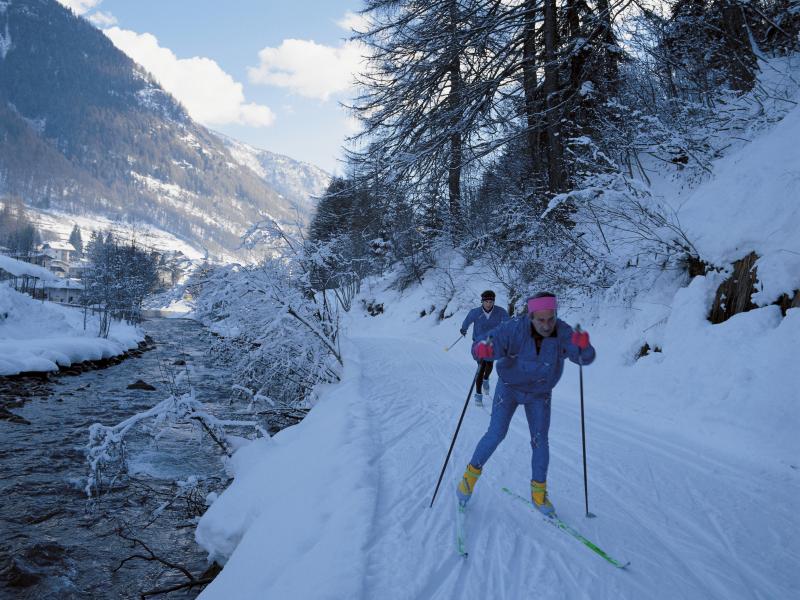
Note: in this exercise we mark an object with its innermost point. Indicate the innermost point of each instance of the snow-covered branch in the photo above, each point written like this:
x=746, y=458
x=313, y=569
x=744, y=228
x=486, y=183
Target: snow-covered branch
x=106, y=450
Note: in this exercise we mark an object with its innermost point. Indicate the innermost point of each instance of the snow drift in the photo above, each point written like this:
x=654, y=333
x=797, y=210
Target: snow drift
x=43, y=336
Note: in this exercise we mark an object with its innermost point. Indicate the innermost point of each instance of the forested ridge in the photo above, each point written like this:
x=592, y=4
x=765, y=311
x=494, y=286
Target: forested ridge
x=85, y=130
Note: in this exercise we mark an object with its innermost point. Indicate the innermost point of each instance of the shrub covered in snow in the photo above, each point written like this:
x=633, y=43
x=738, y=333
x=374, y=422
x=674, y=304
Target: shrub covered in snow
x=279, y=334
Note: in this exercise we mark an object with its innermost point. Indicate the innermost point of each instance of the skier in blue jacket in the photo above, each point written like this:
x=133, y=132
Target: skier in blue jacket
x=530, y=351
x=483, y=319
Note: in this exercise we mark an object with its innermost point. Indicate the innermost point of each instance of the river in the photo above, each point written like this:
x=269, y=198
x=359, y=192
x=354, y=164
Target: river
x=54, y=542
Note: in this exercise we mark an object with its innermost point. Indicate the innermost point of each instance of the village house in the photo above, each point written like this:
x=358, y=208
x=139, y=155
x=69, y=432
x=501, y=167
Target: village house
x=77, y=268
x=58, y=257
x=62, y=251
x=65, y=290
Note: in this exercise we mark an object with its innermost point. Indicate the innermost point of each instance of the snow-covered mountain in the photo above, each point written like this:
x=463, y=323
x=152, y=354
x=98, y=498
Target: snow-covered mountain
x=299, y=182
x=84, y=130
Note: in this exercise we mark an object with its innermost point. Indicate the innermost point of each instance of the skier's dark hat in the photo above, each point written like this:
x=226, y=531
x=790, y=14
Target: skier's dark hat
x=487, y=295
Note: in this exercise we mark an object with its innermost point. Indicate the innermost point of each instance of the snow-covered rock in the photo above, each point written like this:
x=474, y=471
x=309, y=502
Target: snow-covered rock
x=298, y=182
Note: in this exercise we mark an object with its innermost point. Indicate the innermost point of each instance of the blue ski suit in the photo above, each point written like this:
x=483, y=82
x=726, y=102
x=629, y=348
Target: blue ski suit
x=480, y=324
x=527, y=377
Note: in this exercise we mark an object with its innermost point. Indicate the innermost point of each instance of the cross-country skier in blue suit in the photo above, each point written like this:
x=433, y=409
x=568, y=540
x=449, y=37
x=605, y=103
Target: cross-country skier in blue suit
x=530, y=351
x=483, y=319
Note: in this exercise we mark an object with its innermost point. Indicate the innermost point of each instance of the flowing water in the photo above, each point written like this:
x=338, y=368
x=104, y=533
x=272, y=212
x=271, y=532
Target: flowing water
x=54, y=542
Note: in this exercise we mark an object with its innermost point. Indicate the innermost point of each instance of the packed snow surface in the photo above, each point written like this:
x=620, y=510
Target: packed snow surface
x=43, y=336
x=692, y=462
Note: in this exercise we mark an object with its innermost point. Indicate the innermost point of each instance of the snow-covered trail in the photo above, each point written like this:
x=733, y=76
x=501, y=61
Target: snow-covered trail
x=337, y=506
x=692, y=525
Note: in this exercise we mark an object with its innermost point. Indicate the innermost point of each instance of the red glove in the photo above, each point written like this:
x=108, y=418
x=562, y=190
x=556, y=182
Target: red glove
x=483, y=351
x=580, y=339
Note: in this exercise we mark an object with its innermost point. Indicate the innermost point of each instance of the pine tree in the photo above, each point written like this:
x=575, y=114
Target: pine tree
x=708, y=46
x=423, y=101
x=76, y=240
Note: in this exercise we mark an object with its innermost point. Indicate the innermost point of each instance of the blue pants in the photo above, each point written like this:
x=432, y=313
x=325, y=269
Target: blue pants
x=537, y=411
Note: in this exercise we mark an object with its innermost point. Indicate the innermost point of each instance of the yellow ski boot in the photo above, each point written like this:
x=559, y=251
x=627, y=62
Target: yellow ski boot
x=540, y=499
x=467, y=484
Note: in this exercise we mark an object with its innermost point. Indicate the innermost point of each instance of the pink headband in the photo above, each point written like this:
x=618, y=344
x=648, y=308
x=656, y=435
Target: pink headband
x=543, y=303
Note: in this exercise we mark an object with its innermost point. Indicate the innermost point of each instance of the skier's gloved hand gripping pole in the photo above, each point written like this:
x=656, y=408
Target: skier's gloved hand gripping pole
x=458, y=427
x=581, y=339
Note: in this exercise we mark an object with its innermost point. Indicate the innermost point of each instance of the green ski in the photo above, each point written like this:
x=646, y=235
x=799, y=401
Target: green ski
x=461, y=530
x=559, y=524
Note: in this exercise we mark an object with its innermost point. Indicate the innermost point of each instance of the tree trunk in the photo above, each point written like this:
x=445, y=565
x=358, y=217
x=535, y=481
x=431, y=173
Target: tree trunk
x=454, y=102
x=555, y=151
x=577, y=59
x=738, y=53
x=529, y=83
x=610, y=66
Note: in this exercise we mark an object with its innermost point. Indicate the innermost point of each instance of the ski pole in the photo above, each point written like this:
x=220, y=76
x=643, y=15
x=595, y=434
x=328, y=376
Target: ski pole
x=455, y=435
x=583, y=432
x=454, y=343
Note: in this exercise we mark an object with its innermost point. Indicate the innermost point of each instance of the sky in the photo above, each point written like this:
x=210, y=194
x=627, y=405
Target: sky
x=270, y=73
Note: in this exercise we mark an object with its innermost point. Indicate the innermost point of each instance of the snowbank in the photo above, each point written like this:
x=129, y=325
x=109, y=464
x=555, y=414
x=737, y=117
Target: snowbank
x=19, y=268
x=730, y=388
x=752, y=203
x=309, y=489
x=43, y=336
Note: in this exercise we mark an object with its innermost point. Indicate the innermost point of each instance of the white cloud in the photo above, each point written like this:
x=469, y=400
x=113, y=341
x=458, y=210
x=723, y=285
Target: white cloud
x=353, y=22
x=102, y=19
x=307, y=68
x=211, y=95
x=79, y=7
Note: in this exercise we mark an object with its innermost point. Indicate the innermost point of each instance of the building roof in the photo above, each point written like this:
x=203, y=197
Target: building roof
x=19, y=268
x=59, y=246
x=63, y=284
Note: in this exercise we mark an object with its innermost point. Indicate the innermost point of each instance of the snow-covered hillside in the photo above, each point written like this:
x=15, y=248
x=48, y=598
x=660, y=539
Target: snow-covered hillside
x=56, y=225
x=752, y=204
x=693, y=453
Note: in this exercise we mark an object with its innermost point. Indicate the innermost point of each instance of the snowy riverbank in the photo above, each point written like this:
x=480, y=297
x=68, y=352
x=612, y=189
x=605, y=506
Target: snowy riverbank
x=44, y=336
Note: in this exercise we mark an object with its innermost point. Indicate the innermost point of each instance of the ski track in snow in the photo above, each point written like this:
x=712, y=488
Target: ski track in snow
x=692, y=524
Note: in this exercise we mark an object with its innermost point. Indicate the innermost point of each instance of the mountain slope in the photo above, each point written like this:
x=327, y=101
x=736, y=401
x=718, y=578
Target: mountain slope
x=300, y=183
x=85, y=130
